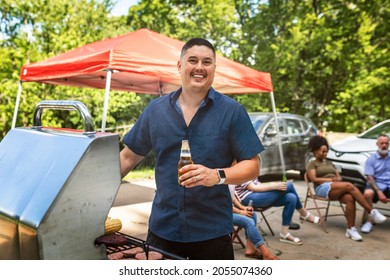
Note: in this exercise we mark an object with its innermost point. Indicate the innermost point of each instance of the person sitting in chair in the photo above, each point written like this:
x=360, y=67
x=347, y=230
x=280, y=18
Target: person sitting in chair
x=328, y=183
x=276, y=194
x=377, y=170
x=245, y=217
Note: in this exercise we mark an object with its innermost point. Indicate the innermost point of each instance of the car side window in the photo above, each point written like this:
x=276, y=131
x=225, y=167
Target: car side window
x=293, y=126
x=271, y=127
x=305, y=125
x=270, y=131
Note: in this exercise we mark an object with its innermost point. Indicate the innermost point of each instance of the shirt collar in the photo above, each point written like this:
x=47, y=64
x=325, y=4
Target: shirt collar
x=378, y=156
x=211, y=95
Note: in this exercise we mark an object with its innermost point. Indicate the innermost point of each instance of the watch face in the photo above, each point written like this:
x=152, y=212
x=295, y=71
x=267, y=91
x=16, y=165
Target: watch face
x=221, y=174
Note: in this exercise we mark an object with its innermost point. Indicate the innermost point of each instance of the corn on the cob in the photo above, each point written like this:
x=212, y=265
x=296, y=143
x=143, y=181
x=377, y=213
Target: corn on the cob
x=112, y=225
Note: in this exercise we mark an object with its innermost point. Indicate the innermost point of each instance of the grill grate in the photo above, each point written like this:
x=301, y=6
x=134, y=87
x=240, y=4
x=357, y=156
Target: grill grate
x=133, y=242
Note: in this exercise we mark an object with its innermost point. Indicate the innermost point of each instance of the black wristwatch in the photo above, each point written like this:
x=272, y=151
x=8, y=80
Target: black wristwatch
x=221, y=176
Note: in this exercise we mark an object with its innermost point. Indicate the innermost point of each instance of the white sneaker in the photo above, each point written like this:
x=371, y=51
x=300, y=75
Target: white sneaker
x=367, y=227
x=377, y=216
x=353, y=234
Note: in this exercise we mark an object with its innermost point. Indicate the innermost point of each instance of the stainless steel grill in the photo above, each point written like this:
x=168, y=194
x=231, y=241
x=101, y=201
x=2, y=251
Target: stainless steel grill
x=56, y=188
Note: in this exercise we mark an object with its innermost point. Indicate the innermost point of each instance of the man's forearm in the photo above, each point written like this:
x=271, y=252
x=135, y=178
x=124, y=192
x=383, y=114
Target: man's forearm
x=372, y=183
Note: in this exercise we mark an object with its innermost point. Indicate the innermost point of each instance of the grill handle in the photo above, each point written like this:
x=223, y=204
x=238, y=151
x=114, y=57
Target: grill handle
x=64, y=105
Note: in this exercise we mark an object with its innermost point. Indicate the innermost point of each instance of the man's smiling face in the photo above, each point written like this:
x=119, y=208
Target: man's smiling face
x=197, y=68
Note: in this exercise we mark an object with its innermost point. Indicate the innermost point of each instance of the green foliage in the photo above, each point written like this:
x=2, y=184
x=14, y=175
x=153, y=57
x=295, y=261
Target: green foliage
x=329, y=60
x=215, y=20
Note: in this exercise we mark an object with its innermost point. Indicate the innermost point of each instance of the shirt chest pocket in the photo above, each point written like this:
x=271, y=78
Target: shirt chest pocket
x=209, y=145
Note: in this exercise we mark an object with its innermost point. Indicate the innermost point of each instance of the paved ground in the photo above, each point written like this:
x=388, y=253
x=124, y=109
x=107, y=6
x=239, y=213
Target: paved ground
x=133, y=204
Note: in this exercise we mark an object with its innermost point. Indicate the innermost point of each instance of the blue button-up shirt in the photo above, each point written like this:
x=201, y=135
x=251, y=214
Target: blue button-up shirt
x=379, y=168
x=219, y=132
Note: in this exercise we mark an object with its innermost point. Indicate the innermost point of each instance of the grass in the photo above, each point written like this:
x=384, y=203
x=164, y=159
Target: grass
x=140, y=174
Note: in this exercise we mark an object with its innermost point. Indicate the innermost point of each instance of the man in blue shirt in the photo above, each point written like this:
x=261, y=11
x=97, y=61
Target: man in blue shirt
x=377, y=170
x=194, y=218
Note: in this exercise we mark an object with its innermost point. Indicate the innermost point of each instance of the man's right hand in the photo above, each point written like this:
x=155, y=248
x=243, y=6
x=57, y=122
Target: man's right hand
x=382, y=196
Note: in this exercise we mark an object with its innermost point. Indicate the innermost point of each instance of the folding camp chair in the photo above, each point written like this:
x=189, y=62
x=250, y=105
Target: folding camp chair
x=236, y=237
x=261, y=210
x=310, y=194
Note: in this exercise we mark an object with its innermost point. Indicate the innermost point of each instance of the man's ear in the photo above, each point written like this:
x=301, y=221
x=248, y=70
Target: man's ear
x=179, y=66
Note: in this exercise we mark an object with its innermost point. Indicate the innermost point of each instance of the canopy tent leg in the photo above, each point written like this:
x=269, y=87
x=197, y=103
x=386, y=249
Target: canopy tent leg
x=17, y=105
x=278, y=133
x=106, y=99
x=160, y=88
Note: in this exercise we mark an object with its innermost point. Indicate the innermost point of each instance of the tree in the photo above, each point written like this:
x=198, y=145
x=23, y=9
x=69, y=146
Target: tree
x=35, y=30
x=327, y=58
x=214, y=20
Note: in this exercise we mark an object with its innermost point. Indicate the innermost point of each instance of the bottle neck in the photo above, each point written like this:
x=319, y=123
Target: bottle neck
x=185, y=149
x=185, y=153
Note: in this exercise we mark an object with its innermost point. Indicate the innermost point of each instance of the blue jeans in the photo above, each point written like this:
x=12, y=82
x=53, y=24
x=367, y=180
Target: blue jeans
x=289, y=199
x=249, y=224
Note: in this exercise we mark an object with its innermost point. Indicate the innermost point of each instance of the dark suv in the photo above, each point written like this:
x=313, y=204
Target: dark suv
x=295, y=132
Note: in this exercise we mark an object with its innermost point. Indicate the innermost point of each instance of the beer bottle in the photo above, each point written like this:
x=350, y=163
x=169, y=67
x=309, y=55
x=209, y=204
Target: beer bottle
x=185, y=157
x=284, y=178
x=250, y=204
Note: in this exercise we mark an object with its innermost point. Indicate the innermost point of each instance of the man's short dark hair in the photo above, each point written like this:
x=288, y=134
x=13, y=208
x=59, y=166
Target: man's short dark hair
x=196, y=42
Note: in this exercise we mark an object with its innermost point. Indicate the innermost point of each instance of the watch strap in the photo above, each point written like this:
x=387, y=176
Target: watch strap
x=221, y=176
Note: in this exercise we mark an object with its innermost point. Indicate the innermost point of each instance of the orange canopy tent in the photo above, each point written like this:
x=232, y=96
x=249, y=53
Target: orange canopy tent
x=142, y=61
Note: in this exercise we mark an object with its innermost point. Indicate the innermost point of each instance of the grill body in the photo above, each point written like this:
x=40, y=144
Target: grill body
x=56, y=189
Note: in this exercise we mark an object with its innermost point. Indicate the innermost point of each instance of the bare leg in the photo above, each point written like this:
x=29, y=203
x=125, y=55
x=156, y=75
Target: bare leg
x=284, y=230
x=340, y=188
x=251, y=249
x=350, y=209
x=267, y=255
x=312, y=218
x=369, y=196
